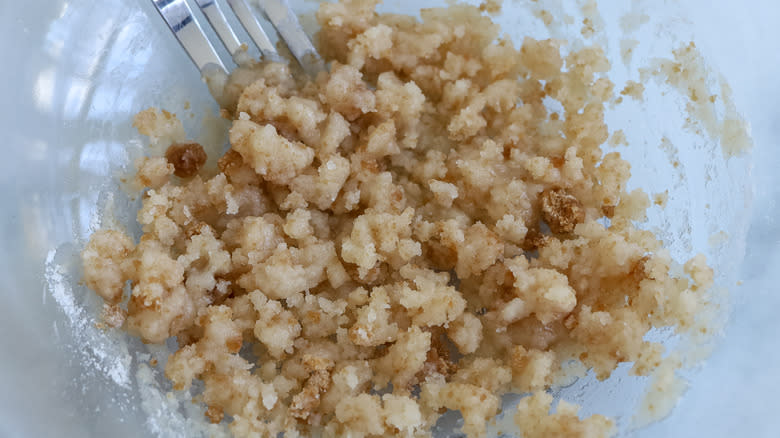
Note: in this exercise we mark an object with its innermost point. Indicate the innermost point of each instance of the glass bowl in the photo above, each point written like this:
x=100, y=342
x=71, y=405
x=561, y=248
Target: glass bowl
x=77, y=71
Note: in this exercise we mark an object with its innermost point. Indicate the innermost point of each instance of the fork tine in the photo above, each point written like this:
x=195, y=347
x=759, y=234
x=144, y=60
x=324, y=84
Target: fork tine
x=253, y=28
x=178, y=16
x=216, y=17
x=286, y=23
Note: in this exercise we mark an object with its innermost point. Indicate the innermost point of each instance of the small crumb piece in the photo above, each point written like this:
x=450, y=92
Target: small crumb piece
x=186, y=158
x=542, y=58
x=476, y=404
x=663, y=391
x=492, y=7
x=153, y=172
x=634, y=90
x=402, y=413
x=561, y=210
x=618, y=138
x=214, y=414
x=306, y=401
x=443, y=192
x=270, y=154
x=660, y=199
x=362, y=413
x=103, y=263
x=113, y=315
x=276, y=327
x=534, y=420
x=531, y=369
x=512, y=229
x=466, y=333
x=162, y=127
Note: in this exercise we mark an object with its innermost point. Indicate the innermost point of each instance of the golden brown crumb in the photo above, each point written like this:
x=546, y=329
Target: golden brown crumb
x=113, y=315
x=533, y=419
x=660, y=199
x=561, y=210
x=618, y=138
x=531, y=370
x=105, y=264
x=161, y=126
x=214, y=414
x=492, y=7
x=308, y=399
x=186, y=158
x=437, y=361
x=535, y=239
x=153, y=172
x=633, y=89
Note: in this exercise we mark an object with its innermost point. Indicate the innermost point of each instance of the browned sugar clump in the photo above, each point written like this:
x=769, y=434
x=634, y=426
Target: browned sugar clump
x=561, y=210
x=187, y=158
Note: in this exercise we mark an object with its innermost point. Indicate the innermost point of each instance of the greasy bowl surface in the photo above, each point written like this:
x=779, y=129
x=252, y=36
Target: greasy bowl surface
x=76, y=71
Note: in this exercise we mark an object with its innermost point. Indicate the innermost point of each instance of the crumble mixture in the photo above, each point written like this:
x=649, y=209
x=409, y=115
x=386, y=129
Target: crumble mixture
x=411, y=232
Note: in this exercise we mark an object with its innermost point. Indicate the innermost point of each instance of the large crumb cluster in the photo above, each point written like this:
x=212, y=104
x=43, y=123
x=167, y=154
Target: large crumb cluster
x=411, y=232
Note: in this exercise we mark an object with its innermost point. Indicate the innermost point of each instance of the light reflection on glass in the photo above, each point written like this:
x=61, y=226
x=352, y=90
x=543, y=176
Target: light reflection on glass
x=35, y=228
x=110, y=95
x=54, y=48
x=106, y=31
x=43, y=91
x=63, y=9
x=100, y=157
x=88, y=221
x=83, y=62
x=55, y=38
x=75, y=97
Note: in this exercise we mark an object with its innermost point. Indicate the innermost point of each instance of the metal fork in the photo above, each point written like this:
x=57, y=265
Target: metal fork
x=185, y=26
